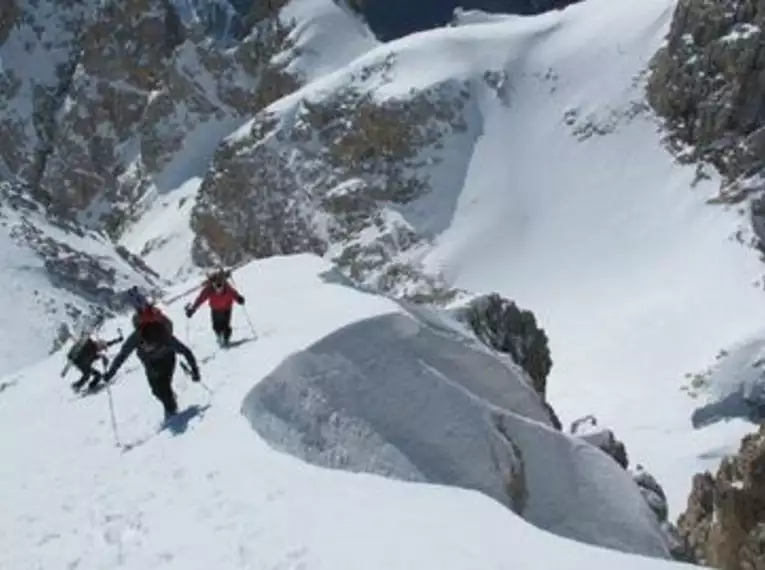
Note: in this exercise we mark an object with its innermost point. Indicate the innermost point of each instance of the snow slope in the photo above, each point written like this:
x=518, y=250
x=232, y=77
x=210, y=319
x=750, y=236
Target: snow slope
x=53, y=275
x=402, y=395
x=211, y=494
x=572, y=207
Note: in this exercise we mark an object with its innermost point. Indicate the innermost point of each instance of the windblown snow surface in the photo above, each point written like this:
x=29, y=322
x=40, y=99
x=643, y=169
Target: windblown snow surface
x=208, y=493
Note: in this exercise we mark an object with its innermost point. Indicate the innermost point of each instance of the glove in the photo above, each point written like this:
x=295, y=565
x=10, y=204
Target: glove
x=195, y=376
x=240, y=300
x=189, y=311
x=107, y=378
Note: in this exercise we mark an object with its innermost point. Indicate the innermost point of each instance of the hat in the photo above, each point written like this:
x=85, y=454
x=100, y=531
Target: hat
x=136, y=299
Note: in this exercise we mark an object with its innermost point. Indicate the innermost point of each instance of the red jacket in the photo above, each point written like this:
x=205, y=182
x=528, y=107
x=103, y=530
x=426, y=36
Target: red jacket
x=219, y=301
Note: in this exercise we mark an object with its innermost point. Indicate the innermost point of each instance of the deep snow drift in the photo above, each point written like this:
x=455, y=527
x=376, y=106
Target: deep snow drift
x=211, y=494
x=404, y=396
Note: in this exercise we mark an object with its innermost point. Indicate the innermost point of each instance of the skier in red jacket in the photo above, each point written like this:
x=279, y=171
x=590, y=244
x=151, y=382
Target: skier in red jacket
x=221, y=296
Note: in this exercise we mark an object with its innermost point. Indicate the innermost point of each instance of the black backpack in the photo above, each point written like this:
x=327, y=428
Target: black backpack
x=154, y=335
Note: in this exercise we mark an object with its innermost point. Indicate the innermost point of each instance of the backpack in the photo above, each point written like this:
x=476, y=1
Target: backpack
x=152, y=314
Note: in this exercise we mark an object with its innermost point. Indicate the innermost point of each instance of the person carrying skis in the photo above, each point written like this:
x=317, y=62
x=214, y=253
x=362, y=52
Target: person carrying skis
x=84, y=354
x=156, y=347
x=220, y=295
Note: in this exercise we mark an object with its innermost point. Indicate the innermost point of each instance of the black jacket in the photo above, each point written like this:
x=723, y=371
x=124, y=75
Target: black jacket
x=152, y=355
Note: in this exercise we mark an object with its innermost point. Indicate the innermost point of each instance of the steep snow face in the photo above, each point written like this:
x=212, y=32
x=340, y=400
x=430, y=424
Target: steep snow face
x=209, y=493
x=54, y=275
x=571, y=206
x=409, y=396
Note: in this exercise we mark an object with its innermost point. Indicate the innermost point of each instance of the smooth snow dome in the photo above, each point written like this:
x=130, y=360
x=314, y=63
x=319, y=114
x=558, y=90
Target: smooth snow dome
x=396, y=396
x=210, y=493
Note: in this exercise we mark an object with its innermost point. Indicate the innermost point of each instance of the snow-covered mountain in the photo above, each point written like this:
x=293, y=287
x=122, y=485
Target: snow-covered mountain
x=520, y=155
x=522, y=158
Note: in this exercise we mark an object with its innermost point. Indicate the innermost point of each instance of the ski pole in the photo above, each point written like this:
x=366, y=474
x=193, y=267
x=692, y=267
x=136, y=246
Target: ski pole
x=246, y=314
x=187, y=371
x=249, y=322
x=114, y=418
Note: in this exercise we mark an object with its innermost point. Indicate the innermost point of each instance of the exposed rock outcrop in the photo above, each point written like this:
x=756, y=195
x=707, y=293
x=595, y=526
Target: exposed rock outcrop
x=130, y=85
x=724, y=522
x=587, y=429
x=332, y=177
x=505, y=327
x=708, y=81
x=604, y=439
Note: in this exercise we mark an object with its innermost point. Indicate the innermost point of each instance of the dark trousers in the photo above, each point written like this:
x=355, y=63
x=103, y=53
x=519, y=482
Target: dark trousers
x=88, y=373
x=221, y=322
x=160, y=376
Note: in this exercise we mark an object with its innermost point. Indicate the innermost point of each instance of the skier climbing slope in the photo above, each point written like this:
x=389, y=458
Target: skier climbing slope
x=221, y=296
x=156, y=347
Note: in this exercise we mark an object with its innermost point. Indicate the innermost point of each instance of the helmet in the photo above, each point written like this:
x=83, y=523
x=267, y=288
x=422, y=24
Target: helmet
x=136, y=299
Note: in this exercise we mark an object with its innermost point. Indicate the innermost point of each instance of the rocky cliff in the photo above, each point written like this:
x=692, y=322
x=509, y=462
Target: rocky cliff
x=334, y=175
x=724, y=522
x=102, y=105
x=707, y=82
x=100, y=98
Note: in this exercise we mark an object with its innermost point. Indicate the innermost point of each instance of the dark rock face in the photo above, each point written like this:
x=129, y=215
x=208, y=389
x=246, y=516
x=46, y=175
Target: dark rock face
x=587, y=429
x=708, y=81
x=330, y=178
x=724, y=523
x=391, y=19
x=95, y=126
x=502, y=325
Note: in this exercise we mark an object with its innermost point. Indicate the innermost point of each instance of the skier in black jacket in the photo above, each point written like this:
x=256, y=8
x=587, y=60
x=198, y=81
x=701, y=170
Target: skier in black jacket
x=156, y=348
